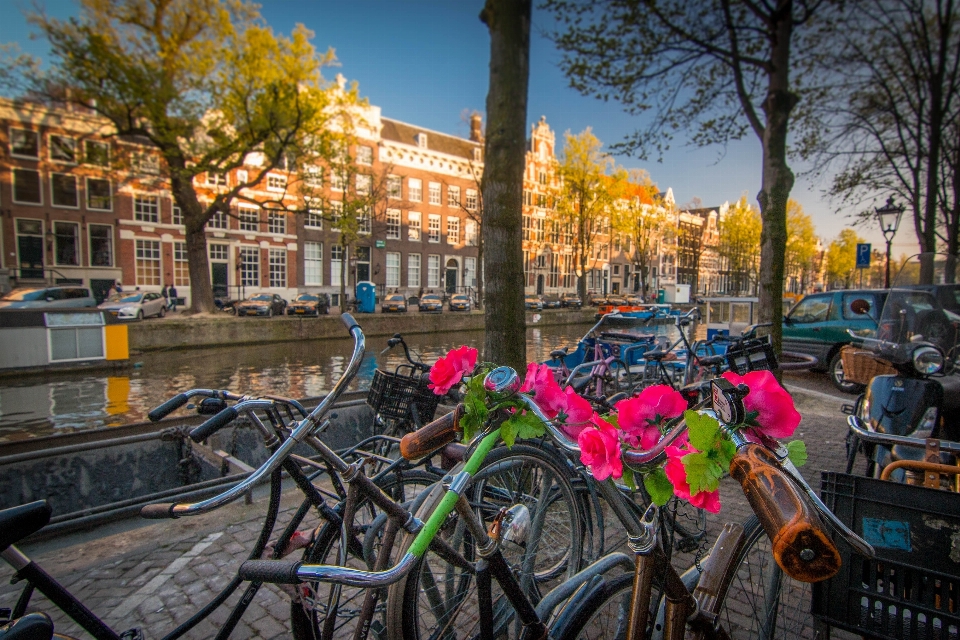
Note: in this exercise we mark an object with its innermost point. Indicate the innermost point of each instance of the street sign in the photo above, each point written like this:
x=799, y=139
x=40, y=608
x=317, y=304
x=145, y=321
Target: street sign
x=863, y=256
x=382, y=243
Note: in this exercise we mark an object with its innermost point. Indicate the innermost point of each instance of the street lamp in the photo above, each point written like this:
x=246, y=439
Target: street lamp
x=889, y=218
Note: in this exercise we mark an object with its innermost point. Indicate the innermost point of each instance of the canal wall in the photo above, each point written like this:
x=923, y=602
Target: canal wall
x=190, y=331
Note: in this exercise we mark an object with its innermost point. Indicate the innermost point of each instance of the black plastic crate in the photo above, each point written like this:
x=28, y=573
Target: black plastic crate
x=911, y=590
x=752, y=355
x=392, y=394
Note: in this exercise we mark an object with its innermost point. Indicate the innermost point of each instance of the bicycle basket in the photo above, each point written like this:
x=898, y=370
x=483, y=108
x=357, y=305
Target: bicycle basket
x=861, y=366
x=392, y=394
x=751, y=355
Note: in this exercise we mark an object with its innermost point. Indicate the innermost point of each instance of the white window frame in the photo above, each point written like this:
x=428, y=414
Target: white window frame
x=393, y=224
x=214, y=179
x=72, y=144
x=250, y=267
x=36, y=138
x=364, y=183
x=453, y=196
x=181, y=265
x=433, y=228
x=14, y=173
x=434, y=194
x=277, y=264
x=313, y=219
x=176, y=215
x=147, y=163
x=249, y=218
x=336, y=180
x=414, y=226
x=58, y=225
x=471, y=203
x=470, y=233
x=148, y=251
x=469, y=271
x=277, y=222
x=433, y=271
x=453, y=230
x=336, y=212
x=393, y=268
x=218, y=252
x=336, y=264
x=394, y=187
x=90, y=251
x=413, y=270
x=364, y=155
x=219, y=220
x=313, y=264
x=109, y=197
x=365, y=221
x=415, y=189
x=76, y=192
x=276, y=182
x=142, y=206
x=95, y=143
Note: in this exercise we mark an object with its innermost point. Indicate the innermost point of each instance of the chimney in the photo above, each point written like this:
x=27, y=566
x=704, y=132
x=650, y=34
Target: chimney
x=476, y=128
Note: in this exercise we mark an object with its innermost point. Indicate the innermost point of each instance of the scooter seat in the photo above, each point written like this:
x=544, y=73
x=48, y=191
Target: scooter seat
x=33, y=626
x=951, y=394
x=16, y=523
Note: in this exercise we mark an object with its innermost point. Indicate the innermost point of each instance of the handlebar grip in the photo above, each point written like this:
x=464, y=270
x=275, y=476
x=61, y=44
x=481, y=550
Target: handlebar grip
x=801, y=545
x=428, y=438
x=213, y=424
x=275, y=571
x=170, y=405
x=348, y=321
x=158, y=511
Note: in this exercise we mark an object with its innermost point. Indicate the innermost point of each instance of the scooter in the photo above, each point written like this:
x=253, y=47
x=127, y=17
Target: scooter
x=907, y=422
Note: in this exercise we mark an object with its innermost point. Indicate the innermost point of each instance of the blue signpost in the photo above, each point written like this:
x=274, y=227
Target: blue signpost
x=863, y=259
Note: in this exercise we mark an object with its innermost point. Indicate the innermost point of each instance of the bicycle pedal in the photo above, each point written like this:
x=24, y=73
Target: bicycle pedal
x=132, y=634
x=686, y=545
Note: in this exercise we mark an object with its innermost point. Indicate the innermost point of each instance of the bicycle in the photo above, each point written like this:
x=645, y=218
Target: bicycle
x=776, y=491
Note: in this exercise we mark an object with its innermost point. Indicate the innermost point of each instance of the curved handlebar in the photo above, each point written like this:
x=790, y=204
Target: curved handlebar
x=428, y=438
x=181, y=399
x=874, y=437
x=214, y=424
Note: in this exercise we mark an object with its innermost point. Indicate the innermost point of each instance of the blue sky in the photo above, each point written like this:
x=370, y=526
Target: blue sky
x=426, y=62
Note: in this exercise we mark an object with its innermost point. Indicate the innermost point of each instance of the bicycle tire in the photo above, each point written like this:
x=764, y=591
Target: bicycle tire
x=600, y=613
x=308, y=607
x=438, y=600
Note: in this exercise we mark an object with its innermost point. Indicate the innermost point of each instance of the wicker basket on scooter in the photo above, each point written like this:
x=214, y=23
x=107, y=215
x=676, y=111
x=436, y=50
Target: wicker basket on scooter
x=392, y=394
x=861, y=366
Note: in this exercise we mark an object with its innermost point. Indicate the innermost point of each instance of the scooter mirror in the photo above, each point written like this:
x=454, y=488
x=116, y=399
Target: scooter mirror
x=860, y=306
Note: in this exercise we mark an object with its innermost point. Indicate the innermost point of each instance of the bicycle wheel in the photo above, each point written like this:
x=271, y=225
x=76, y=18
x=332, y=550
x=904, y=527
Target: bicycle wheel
x=598, y=614
x=761, y=602
x=437, y=600
x=312, y=601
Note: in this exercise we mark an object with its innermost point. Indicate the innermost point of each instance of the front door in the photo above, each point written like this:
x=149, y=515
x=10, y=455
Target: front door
x=363, y=264
x=540, y=285
x=30, y=248
x=218, y=277
x=453, y=272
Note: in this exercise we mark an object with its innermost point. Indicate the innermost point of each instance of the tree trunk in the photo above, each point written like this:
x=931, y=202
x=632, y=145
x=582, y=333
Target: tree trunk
x=195, y=230
x=505, y=339
x=480, y=300
x=344, y=275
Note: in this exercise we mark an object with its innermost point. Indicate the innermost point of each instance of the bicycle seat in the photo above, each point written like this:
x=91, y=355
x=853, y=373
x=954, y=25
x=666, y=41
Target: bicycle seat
x=33, y=626
x=16, y=523
x=657, y=356
x=711, y=361
x=558, y=354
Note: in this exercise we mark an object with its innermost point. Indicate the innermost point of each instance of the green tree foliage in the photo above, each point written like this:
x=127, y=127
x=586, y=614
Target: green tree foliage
x=713, y=70
x=841, y=259
x=739, y=245
x=801, y=255
x=204, y=82
x=591, y=187
x=642, y=216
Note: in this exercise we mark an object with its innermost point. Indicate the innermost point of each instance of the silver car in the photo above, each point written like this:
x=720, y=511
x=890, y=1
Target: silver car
x=136, y=305
x=48, y=298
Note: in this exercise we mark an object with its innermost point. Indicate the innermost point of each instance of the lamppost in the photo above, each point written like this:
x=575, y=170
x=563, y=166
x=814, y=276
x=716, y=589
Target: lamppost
x=889, y=218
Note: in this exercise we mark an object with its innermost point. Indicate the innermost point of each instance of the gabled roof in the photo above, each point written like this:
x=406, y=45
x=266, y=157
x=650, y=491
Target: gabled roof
x=404, y=133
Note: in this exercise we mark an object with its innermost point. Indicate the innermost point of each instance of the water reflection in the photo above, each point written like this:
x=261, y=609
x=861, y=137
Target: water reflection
x=30, y=408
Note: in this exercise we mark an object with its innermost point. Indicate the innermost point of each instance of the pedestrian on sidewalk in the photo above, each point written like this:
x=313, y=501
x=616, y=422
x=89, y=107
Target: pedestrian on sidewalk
x=173, y=297
x=163, y=292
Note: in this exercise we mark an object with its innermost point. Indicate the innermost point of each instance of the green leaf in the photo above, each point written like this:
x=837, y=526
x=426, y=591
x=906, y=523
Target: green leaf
x=725, y=453
x=528, y=425
x=797, y=452
x=703, y=473
x=508, y=431
x=658, y=486
x=703, y=430
x=628, y=478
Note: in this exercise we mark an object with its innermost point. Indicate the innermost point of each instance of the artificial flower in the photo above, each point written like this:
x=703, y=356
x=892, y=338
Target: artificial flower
x=677, y=475
x=600, y=449
x=772, y=405
x=448, y=371
x=576, y=413
x=640, y=417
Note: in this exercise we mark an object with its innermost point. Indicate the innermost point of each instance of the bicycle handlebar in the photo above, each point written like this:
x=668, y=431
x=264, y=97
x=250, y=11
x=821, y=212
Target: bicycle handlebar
x=214, y=424
x=431, y=437
x=875, y=437
x=181, y=399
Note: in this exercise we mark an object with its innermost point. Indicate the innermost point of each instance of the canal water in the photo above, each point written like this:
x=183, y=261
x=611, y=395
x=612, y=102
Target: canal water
x=33, y=406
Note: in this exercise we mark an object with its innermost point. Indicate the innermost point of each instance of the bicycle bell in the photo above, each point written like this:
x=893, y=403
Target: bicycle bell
x=502, y=382
x=728, y=400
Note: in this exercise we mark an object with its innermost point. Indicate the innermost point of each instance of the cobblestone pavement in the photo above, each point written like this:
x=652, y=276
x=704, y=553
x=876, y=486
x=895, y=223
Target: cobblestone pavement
x=155, y=574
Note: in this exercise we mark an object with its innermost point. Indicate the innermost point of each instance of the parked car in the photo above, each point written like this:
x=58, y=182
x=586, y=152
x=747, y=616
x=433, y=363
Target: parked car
x=817, y=326
x=136, y=305
x=394, y=302
x=570, y=301
x=262, y=304
x=948, y=295
x=459, y=302
x=430, y=302
x=533, y=303
x=309, y=304
x=551, y=302
x=47, y=298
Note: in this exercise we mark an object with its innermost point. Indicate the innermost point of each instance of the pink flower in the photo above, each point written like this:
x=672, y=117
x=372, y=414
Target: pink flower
x=545, y=390
x=677, y=475
x=640, y=417
x=600, y=449
x=448, y=370
x=576, y=413
x=776, y=415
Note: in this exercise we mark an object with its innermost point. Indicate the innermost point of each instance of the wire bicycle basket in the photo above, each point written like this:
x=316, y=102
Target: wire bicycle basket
x=392, y=395
x=756, y=354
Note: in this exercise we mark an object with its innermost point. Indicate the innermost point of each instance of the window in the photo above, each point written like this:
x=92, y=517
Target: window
x=62, y=148
x=63, y=187
x=218, y=221
x=453, y=196
x=276, y=182
x=470, y=233
x=394, y=187
x=453, y=230
x=433, y=228
x=147, y=163
x=364, y=155
x=336, y=212
x=472, y=199
x=67, y=247
x=421, y=140
x=313, y=219
x=336, y=180
x=219, y=252
x=393, y=269
x=26, y=186
x=850, y=314
x=470, y=271
x=250, y=266
x=543, y=177
x=413, y=226
x=364, y=221
x=216, y=179
x=181, y=265
x=148, y=262
x=101, y=245
x=99, y=195
x=278, y=267
x=176, y=217
x=413, y=269
x=96, y=153
x=528, y=198
x=336, y=264
x=313, y=177
x=277, y=222
x=811, y=309
x=146, y=209
x=434, y=193
x=393, y=224
x=313, y=264
x=415, y=189
x=542, y=200
x=24, y=143
x=364, y=183
x=433, y=271
x=249, y=219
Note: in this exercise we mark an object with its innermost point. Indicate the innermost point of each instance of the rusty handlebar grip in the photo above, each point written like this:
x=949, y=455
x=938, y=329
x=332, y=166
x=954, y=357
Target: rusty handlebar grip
x=801, y=545
x=428, y=438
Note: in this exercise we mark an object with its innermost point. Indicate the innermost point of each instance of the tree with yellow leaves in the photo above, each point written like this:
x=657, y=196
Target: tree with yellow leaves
x=800, y=258
x=738, y=246
x=841, y=258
